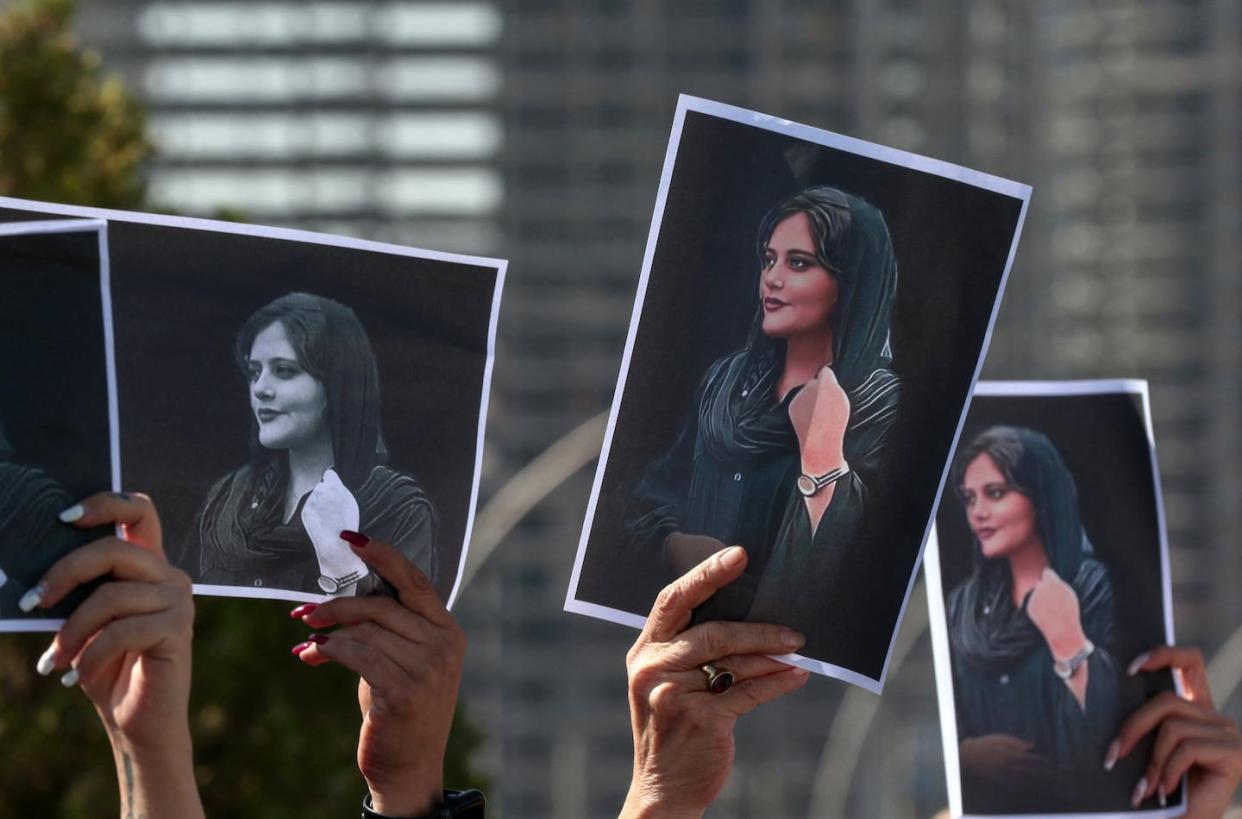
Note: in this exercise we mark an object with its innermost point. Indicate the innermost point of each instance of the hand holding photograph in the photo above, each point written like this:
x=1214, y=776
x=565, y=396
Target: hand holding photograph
x=1047, y=579
x=811, y=315
x=57, y=403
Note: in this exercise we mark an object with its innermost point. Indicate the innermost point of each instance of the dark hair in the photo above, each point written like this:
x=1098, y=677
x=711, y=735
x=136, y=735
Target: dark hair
x=828, y=211
x=332, y=346
x=1003, y=446
x=1032, y=465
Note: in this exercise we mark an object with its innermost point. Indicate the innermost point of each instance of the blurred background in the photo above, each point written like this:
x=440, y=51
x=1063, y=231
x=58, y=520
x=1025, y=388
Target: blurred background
x=535, y=130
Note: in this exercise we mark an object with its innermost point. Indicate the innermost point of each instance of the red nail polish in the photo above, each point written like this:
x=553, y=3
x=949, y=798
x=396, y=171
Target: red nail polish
x=354, y=538
x=318, y=638
x=299, y=648
x=302, y=611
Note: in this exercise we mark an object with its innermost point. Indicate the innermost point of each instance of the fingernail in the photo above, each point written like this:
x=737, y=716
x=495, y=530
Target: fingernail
x=1139, y=790
x=1137, y=663
x=72, y=514
x=317, y=638
x=70, y=679
x=303, y=610
x=791, y=639
x=354, y=538
x=47, y=661
x=32, y=598
x=4, y=578
x=1164, y=802
x=1110, y=757
x=733, y=557
x=299, y=648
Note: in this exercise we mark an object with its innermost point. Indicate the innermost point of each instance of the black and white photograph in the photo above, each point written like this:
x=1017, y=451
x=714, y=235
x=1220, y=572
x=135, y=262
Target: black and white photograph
x=811, y=316
x=57, y=404
x=279, y=387
x=1048, y=585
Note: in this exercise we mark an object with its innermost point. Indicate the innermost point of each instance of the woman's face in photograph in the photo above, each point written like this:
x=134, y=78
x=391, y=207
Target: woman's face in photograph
x=1002, y=518
x=797, y=292
x=288, y=402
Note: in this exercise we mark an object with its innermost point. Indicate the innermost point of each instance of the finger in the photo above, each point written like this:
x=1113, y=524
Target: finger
x=747, y=695
x=741, y=666
x=139, y=634
x=1148, y=716
x=133, y=510
x=383, y=611
x=709, y=642
x=109, y=555
x=414, y=590
x=367, y=661
x=1214, y=753
x=109, y=602
x=1187, y=660
x=671, y=612
x=1172, y=733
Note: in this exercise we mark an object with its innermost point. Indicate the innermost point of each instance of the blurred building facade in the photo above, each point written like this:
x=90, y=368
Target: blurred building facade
x=535, y=130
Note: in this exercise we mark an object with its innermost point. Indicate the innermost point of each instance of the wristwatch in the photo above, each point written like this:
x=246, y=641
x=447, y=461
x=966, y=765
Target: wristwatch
x=332, y=585
x=1066, y=668
x=808, y=485
x=456, y=805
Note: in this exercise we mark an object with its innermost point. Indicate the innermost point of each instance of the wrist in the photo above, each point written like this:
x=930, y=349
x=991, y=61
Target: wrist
x=1064, y=646
x=407, y=799
x=640, y=804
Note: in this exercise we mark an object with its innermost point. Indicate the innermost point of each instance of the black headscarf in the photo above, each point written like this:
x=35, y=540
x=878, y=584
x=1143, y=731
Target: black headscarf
x=986, y=629
x=738, y=416
x=332, y=347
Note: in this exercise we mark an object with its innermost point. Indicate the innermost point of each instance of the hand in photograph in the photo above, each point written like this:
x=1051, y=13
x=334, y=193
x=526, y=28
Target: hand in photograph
x=330, y=508
x=128, y=647
x=688, y=686
x=1053, y=607
x=1191, y=737
x=408, y=652
x=1001, y=757
x=820, y=413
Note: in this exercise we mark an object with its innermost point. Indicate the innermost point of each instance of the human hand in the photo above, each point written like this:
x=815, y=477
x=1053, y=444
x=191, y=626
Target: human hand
x=683, y=733
x=1053, y=608
x=408, y=652
x=329, y=509
x=1191, y=738
x=1003, y=758
x=819, y=414
x=128, y=646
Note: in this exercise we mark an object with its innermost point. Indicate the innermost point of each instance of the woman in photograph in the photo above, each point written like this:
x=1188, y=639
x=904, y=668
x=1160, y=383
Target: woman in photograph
x=316, y=466
x=786, y=433
x=1031, y=631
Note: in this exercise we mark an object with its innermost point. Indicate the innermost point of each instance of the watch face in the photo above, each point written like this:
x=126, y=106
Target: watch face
x=328, y=585
x=806, y=485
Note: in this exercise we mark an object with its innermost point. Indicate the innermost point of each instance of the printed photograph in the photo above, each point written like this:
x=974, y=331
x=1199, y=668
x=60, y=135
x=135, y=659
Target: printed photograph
x=810, y=318
x=1048, y=579
x=56, y=433
x=278, y=387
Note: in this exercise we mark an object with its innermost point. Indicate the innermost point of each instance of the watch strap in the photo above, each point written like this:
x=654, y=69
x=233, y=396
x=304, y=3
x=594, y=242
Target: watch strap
x=454, y=805
x=1065, y=669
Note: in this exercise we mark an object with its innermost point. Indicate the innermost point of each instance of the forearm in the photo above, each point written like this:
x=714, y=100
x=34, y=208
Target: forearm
x=156, y=783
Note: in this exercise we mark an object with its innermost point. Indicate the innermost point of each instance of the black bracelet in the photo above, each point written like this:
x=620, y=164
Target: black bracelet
x=456, y=805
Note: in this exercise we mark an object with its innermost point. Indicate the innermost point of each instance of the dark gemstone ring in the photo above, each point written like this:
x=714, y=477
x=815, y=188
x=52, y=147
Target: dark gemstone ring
x=719, y=680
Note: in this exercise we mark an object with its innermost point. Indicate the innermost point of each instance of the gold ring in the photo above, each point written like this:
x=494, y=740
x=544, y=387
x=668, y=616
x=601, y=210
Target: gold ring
x=719, y=680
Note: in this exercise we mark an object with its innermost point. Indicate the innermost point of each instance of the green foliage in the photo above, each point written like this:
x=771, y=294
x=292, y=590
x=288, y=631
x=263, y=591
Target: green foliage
x=272, y=737
x=68, y=133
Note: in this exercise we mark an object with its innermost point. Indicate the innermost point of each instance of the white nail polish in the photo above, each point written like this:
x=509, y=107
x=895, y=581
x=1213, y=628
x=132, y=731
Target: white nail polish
x=1110, y=758
x=70, y=679
x=4, y=578
x=31, y=598
x=1137, y=663
x=72, y=514
x=1164, y=801
x=47, y=661
x=1139, y=790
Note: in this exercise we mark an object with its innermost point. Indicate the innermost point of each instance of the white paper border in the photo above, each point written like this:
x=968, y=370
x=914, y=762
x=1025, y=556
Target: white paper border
x=306, y=237
x=686, y=103
x=100, y=227
x=935, y=600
